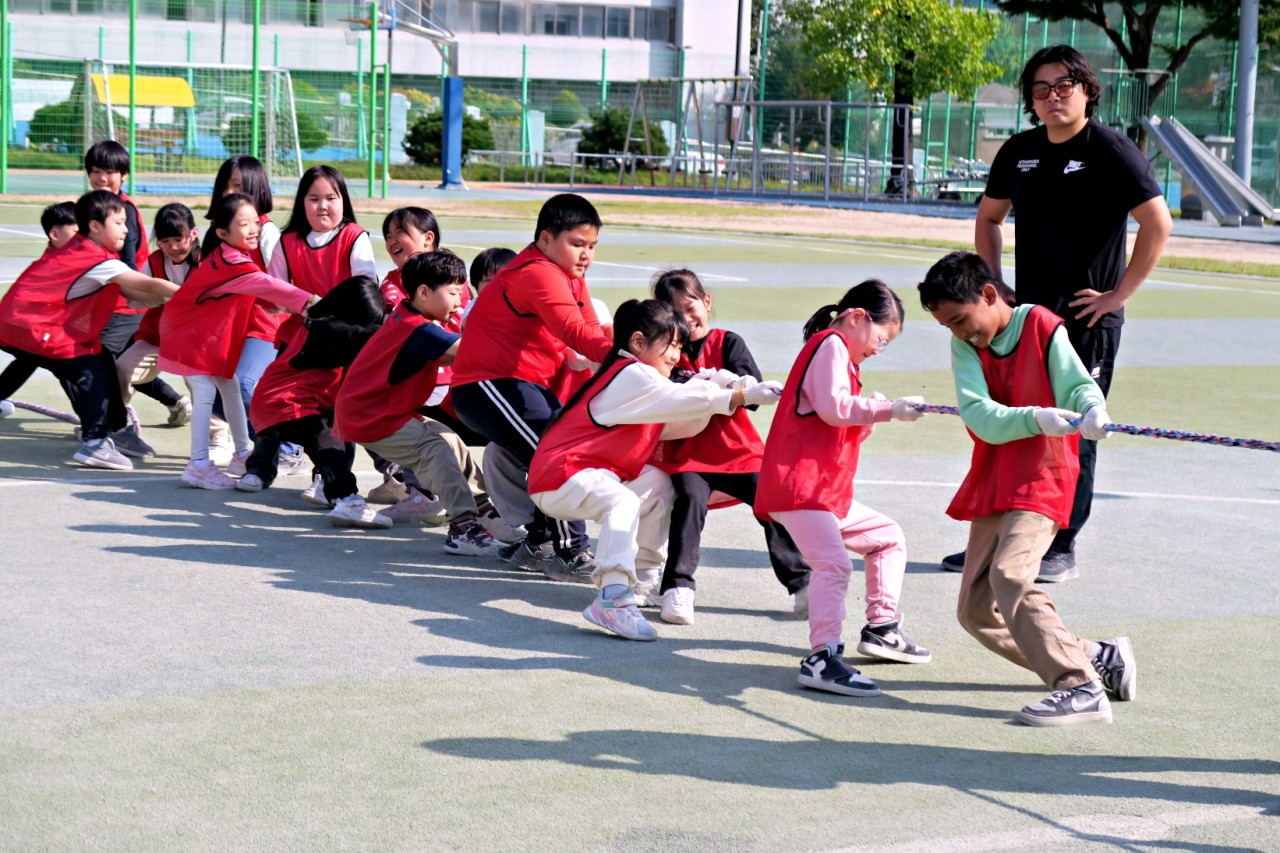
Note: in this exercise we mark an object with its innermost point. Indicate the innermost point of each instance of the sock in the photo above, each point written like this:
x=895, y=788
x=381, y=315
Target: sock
x=833, y=648
x=614, y=590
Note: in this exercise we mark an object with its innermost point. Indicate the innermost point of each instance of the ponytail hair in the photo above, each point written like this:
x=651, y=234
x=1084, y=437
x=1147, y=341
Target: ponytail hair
x=356, y=300
x=873, y=296
x=221, y=214
x=654, y=320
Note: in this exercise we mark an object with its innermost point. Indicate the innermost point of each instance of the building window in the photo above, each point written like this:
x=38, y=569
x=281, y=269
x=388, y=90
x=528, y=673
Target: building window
x=567, y=19
x=593, y=21
x=642, y=24
x=513, y=18
x=617, y=23
x=661, y=25
x=544, y=19
x=487, y=15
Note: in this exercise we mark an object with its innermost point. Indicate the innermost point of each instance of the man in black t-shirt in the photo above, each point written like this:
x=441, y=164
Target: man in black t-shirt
x=1072, y=185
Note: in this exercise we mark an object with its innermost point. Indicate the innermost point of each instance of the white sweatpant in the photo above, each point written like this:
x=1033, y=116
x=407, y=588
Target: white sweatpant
x=203, y=388
x=634, y=517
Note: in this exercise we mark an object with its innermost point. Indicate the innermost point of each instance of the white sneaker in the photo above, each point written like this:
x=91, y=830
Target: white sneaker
x=417, y=509
x=314, y=494
x=800, y=607
x=677, y=606
x=236, y=467
x=289, y=464
x=648, y=588
x=221, y=447
x=352, y=511
x=250, y=483
x=180, y=412
x=206, y=475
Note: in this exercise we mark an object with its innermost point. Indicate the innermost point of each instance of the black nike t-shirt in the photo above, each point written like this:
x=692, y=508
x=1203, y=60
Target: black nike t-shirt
x=1071, y=203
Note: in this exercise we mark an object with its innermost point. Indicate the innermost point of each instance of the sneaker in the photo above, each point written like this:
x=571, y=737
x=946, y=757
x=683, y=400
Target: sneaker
x=648, y=588
x=620, y=616
x=470, y=539
x=416, y=509
x=392, y=491
x=489, y=518
x=1117, y=668
x=6, y=408
x=250, y=483
x=1076, y=707
x=825, y=670
x=677, y=606
x=236, y=467
x=352, y=511
x=890, y=642
x=101, y=453
x=800, y=606
x=180, y=413
x=288, y=464
x=314, y=494
x=580, y=568
x=206, y=475
x=526, y=557
x=953, y=562
x=130, y=442
x=1058, y=566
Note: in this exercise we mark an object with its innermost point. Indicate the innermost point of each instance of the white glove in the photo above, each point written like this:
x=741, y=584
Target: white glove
x=576, y=360
x=1056, y=422
x=1094, y=424
x=762, y=394
x=742, y=383
x=723, y=378
x=904, y=409
x=878, y=397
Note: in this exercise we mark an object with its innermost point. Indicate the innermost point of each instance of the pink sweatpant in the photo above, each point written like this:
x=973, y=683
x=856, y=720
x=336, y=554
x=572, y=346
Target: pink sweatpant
x=825, y=540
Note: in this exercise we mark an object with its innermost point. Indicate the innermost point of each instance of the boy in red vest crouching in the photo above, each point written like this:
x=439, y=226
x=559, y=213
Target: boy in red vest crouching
x=54, y=314
x=1020, y=386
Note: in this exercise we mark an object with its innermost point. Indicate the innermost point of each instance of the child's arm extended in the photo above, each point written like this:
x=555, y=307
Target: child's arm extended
x=429, y=347
x=827, y=390
x=143, y=289
x=263, y=286
x=1073, y=388
x=639, y=394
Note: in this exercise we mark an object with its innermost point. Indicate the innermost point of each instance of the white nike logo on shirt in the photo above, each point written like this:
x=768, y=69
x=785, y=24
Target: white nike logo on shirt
x=1072, y=166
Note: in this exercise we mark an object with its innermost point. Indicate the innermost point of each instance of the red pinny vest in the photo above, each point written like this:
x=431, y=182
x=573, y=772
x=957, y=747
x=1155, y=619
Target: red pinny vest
x=265, y=322
x=149, y=331
x=369, y=407
x=285, y=394
x=36, y=316
x=728, y=445
x=316, y=270
x=139, y=260
x=202, y=334
x=576, y=442
x=808, y=463
x=1037, y=474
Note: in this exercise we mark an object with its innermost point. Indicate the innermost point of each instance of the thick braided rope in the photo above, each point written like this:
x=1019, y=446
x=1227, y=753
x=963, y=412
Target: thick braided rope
x=45, y=410
x=1150, y=432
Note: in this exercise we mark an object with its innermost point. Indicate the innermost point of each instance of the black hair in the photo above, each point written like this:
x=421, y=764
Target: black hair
x=1078, y=69
x=958, y=277
x=653, y=319
x=669, y=284
x=356, y=300
x=62, y=213
x=253, y=182
x=108, y=155
x=222, y=213
x=176, y=220
x=419, y=217
x=873, y=296
x=565, y=212
x=485, y=265
x=434, y=270
x=298, y=223
x=96, y=206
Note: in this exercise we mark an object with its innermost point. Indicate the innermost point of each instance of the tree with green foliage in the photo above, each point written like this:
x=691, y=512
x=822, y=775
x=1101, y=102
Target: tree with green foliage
x=422, y=142
x=566, y=110
x=903, y=50
x=1139, y=36
x=608, y=135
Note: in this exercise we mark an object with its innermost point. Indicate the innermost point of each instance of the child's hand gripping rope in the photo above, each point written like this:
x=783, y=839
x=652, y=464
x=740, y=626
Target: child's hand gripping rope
x=1149, y=432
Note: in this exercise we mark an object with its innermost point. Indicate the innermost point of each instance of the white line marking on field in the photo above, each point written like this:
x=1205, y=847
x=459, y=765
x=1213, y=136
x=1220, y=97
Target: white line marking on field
x=934, y=484
x=27, y=234
x=1097, y=828
x=123, y=480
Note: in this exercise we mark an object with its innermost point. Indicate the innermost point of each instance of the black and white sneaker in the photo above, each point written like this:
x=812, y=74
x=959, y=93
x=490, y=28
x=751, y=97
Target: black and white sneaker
x=1117, y=668
x=824, y=670
x=1076, y=707
x=953, y=562
x=890, y=642
x=526, y=557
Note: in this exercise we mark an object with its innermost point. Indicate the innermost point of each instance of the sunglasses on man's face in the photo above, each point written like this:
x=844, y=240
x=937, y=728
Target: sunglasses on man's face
x=1062, y=88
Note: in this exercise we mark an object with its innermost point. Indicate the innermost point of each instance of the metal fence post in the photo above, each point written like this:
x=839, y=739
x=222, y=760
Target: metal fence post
x=133, y=91
x=373, y=91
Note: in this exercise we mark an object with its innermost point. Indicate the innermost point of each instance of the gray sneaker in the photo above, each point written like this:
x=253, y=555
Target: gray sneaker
x=580, y=568
x=101, y=453
x=130, y=442
x=1076, y=707
x=1117, y=668
x=1056, y=567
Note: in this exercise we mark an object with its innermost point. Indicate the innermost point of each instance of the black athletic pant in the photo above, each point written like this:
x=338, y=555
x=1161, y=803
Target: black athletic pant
x=689, y=516
x=92, y=387
x=1097, y=348
x=116, y=338
x=331, y=458
x=16, y=374
x=512, y=414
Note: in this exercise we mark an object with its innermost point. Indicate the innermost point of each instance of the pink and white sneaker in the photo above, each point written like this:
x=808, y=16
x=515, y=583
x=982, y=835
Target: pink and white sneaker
x=205, y=475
